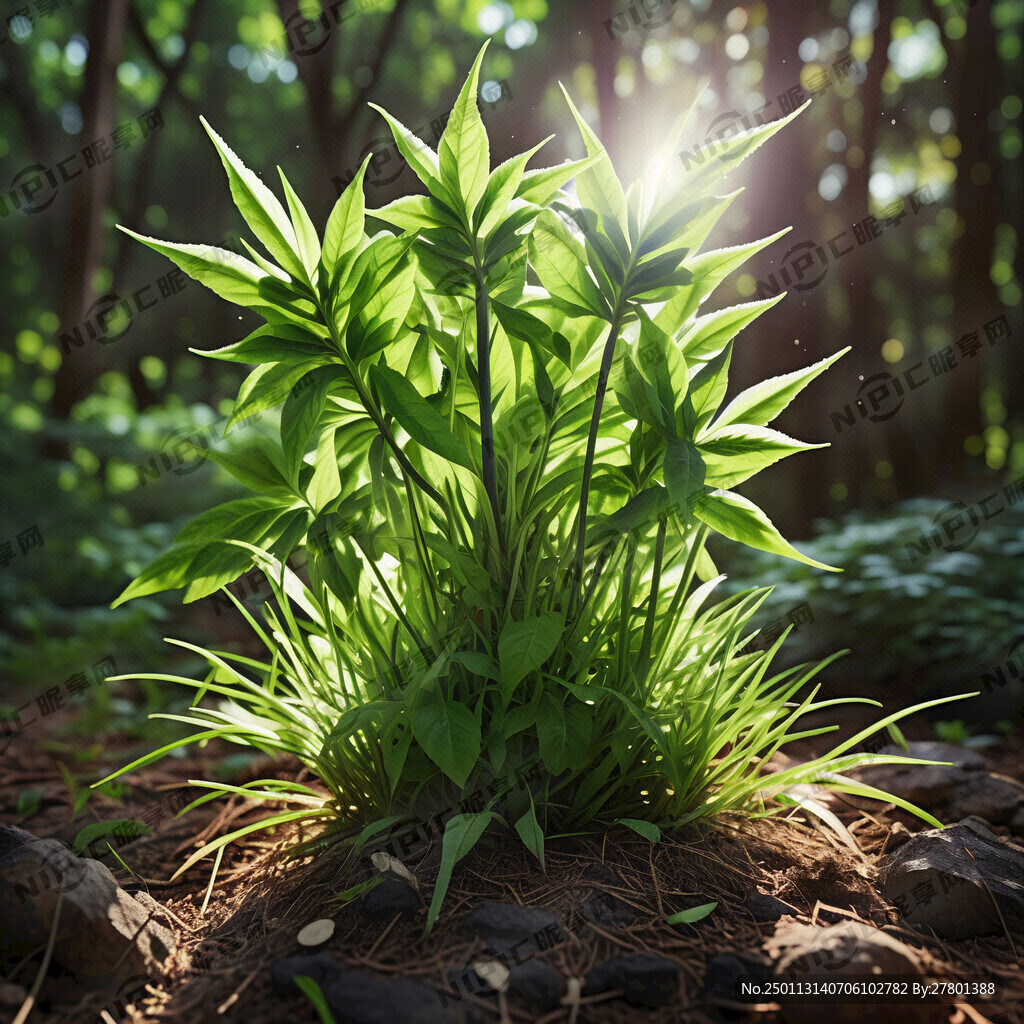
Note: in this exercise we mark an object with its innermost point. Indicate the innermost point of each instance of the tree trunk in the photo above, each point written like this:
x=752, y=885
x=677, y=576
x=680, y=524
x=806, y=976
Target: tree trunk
x=90, y=195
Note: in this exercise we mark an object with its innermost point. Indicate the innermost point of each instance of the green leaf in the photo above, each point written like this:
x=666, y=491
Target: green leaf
x=501, y=188
x=463, y=152
x=306, y=238
x=311, y=990
x=524, y=647
x=418, y=155
x=708, y=270
x=344, y=232
x=735, y=517
x=449, y=734
x=646, y=829
x=706, y=391
x=561, y=265
x=461, y=834
x=231, y=276
x=598, y=186
x=761, y=403
x=538, y=186
x=684, y=476
x=252, y=468
x=710, y=333
x=422, y=422
x=531, y=833
x=691, y=915
x=124, y=828
x=325, y=484
x=563, y=732
x=259, y=206
x=301, y=414
x=272, y=343
x=736, y=452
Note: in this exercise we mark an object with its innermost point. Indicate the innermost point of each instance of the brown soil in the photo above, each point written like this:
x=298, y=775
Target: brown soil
x=259, y=901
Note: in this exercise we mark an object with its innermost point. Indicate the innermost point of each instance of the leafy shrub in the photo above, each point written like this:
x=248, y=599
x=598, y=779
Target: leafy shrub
x=501, y=446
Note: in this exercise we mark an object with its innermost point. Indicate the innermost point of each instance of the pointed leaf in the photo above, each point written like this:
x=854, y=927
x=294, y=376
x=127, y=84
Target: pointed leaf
x=524, y=646
x=735, y=517
x=463, y=152
x=259, y=206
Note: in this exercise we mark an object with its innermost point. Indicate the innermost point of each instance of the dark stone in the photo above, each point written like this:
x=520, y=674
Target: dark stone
x=541, y=987
x=943, y=879
x=845, y=952
x=764, y=907
x=394, y=895
x=359, y=997
x=644, y=980
x=318, y=966
x=103, y=937
x=518, y=931
x=602, y=908
x=725, y=971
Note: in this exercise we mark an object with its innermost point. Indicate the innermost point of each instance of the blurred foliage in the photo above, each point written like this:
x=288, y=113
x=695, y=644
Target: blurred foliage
x=936, y=621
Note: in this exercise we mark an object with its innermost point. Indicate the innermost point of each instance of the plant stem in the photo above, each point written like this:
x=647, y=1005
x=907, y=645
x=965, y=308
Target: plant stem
x=652, y=600
x=374, y=414
x=483, y=360
x=588, y=464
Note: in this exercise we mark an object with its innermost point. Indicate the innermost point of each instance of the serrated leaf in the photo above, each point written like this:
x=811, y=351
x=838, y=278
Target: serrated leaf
x=561, y=265
x=735, y=517
x=736, y=452
x=502, y=186
x=418, y=155
x=259, y=206
x=710, y=333
x=306, y=239
x=708, y=270
x=344, y=232
x=761, y=403
x=463, y=151
x=229, y=275
x=598, y=186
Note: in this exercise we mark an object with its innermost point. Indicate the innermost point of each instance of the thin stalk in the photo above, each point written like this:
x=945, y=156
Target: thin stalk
x=588, y=464
x=378, y=420
x=483, y=360
x=392, y=600
x=624, y=610
x=652, y=600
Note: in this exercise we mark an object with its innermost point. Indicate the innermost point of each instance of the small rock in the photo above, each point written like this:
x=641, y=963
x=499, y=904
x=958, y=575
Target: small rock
x=103, y=936
x=316, y=933
x=943, y=879
x=541, y=987
x=644, y=980
x=764, y=907
x=724, y=973
x=318, y=966
x=846, y=952
x=359, y=997
x=392, y=896
x=607, y=910
x=507, y=926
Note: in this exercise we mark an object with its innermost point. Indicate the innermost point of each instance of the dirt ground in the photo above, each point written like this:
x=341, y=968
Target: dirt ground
x=228, y=937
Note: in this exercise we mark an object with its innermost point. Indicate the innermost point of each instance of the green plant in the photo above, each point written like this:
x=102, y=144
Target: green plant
x=501, y=446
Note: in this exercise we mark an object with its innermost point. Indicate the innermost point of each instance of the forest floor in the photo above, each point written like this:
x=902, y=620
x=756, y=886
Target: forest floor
x=610, y=895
